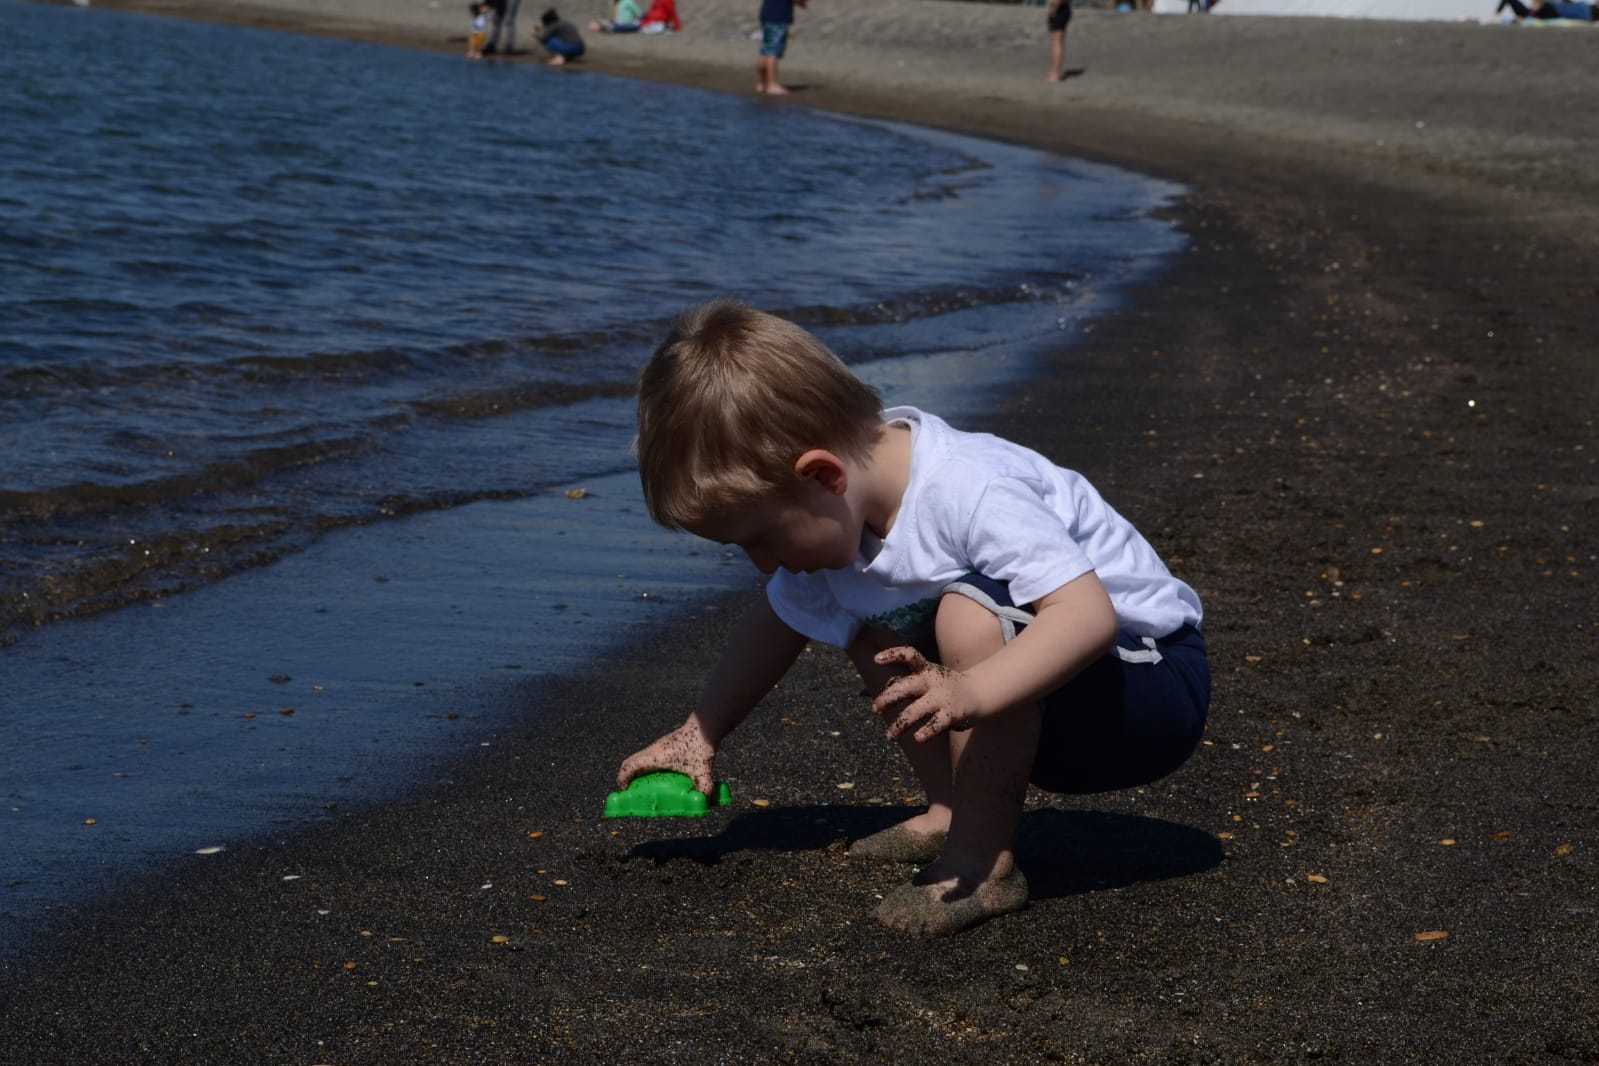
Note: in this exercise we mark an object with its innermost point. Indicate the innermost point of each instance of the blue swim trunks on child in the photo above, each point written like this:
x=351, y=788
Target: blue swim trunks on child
x=774, y=39
x=1130, y=718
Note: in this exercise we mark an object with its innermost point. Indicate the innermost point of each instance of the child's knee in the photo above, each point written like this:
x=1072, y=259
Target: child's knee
x=967, y=631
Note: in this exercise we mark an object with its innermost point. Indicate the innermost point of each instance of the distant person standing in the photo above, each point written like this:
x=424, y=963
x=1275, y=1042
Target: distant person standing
x=777, y=16
x=1060, y=16
x=559, y=37
x=504, y=18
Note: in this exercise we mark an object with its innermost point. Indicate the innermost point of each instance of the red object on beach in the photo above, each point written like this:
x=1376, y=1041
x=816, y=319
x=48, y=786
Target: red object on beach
x=664, y=11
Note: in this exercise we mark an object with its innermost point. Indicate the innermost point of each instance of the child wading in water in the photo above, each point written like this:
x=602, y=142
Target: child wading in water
x=1013, y=627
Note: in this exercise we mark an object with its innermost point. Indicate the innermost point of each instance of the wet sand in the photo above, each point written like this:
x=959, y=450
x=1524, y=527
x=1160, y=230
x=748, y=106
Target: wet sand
x=1357, y=416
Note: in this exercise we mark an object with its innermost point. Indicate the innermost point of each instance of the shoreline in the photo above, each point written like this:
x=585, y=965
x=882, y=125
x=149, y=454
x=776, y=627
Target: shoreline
x=1340, y=420
x=1445, y=109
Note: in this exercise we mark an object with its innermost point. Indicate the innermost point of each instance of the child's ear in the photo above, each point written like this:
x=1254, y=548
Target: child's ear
x=825, y=469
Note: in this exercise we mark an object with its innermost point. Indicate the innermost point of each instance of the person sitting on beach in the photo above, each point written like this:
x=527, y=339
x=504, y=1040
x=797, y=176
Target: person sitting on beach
x=777, y=19
x=480, y=28
x=1574, y=10
x=559, y=37
x=625, y=18
x=661, y=18
x=1013, y=626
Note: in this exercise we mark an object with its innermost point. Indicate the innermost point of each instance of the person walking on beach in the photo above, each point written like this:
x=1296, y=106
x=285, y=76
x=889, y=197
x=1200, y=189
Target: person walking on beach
x=480, y=28
x=777, y=18
x=559, y=37
x=1013, y=626
x=1060, y=16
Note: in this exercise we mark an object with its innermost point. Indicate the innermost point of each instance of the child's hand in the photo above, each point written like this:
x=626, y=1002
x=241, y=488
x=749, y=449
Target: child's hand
x=942, y=697
x=685, y=749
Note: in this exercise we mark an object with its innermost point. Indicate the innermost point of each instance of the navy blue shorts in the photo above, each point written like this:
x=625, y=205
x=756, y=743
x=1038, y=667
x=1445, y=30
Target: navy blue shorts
x=1130, y=718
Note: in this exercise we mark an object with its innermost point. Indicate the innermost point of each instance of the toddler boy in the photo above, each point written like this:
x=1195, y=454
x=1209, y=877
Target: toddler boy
x=1013, y=627
x=480, y=28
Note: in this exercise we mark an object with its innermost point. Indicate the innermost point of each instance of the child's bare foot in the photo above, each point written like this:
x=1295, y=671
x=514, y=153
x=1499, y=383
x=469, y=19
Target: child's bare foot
x=946, y=906
x=919, y=840
x=776, y=90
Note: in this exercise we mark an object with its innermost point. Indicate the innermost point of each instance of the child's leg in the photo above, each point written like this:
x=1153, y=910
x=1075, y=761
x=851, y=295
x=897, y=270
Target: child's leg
x=774, y=40
x=1057, y=53
x=774, y=87
x=919, y=839
x=975, y=878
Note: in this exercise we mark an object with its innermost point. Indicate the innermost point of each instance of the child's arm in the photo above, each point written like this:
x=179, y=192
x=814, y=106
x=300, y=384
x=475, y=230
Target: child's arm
x=756, y=658
x=1072, y=627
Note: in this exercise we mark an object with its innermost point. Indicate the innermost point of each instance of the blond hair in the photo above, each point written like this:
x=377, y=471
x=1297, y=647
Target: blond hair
x=730, y=400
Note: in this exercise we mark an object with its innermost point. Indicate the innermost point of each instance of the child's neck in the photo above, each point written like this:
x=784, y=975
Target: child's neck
x=885, y=477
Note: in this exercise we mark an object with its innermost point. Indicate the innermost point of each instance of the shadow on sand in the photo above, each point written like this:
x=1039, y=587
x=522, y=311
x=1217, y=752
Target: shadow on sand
x=1062, y=852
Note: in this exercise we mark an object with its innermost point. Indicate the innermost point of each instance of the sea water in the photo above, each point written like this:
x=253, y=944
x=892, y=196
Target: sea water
x=316, y=361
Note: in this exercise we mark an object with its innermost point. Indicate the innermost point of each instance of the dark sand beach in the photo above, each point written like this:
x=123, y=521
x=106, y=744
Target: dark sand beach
x=1357, y=416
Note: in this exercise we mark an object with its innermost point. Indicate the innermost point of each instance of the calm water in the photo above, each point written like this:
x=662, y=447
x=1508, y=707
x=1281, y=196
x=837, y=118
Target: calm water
x=310, y=303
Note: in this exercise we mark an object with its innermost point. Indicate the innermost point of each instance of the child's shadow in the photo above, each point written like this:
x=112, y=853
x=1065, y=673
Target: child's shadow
x=1062, y=852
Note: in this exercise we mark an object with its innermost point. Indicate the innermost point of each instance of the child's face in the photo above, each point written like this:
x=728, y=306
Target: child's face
x=813, y=530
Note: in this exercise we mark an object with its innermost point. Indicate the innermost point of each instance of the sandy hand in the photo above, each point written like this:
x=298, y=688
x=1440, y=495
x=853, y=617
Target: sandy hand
x=684, y=749
x=937, y=697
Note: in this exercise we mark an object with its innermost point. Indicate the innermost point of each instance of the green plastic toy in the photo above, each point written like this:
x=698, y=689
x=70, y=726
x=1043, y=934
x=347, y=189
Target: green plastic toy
x=664, y=794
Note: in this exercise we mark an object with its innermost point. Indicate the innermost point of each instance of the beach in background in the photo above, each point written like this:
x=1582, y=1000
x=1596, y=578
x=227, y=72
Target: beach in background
x=1355, y=412
x=1478, y=109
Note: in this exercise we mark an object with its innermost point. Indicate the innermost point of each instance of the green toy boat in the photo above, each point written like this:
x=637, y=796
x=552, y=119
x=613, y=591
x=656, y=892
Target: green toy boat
x=664, y=794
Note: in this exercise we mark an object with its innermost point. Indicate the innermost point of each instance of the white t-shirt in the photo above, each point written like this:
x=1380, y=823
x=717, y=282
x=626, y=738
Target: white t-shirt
x=980, y=504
